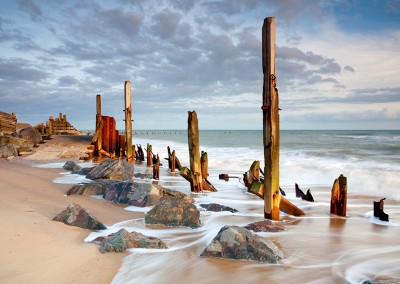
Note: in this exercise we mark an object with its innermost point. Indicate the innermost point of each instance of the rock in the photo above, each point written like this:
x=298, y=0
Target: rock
x=235, y=242
x=22, y=145
x=75, y=215
x=8, y=150
x=113, y=169
x=82, y=171
x=140, y=194
x=123, y=240
x=214, y=207
x=174, y=212
x=71, y=166
x=94, y=188
x=264, y=226
x=30, y=134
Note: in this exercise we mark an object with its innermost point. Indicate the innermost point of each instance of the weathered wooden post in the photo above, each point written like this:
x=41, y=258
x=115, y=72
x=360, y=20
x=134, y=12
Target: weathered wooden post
x=173, y=156
x=339, y=196
x=149, y=151
x=194, y=152
x=270, y=109
x=99, y=126
x=204, y=164
x=128, y=122
x=156, y=168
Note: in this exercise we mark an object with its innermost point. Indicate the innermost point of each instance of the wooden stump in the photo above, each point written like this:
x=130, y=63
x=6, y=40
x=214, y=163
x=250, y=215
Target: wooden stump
x=204, y=164
x=128, y=122
x=156, y=169
x=149, y=151
x=339, y=196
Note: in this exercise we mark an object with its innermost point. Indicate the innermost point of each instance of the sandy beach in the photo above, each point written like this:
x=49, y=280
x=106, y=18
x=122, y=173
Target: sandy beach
x=35, y=249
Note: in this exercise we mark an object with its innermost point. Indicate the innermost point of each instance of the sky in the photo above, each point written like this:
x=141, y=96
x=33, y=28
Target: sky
x=337, y=62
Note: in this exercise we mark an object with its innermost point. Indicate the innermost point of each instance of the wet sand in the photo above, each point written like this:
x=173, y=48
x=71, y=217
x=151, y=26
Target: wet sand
x=35, y=249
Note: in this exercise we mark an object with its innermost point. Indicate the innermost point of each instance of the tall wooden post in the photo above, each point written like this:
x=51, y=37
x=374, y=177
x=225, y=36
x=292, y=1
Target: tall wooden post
x=128, y=122
x=339, y=196
x=98, y=126
x=194, y=152
x=270, y=109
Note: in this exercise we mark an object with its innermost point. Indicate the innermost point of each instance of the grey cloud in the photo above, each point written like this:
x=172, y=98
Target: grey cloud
x=349, y=68
x=166, y=23
x=20, y=70
x=128, y=23
x=30, y=7
x=185, y=5
x=66, y=81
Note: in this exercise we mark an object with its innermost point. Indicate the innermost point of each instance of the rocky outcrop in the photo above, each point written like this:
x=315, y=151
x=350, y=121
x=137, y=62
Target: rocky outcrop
x=75, y=215
x=214, y=207
x=123, y=240
x=71, y=166
x=112, y=169
x=174, y=212
x=31, y=134
x=265, y=226
x=235, y=242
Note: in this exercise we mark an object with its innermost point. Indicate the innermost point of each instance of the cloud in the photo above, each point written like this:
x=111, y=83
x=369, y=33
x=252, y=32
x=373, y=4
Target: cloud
x=30, y=7
x=166, y=24
x=20, y=70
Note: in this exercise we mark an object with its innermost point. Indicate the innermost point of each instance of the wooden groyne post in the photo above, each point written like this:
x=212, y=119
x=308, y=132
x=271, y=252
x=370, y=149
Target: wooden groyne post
x=194, y=152
x=339, y=196
x=128, y=122
x=270, y=110
x=99, y=126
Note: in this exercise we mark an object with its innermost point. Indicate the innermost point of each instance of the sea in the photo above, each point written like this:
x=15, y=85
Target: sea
x=318, y=247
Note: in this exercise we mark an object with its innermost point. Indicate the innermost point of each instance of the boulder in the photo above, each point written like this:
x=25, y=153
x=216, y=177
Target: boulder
x=123, y=240
x=235, y=242
x=82, y=171
x=22, y=145
x=113, y=169
x=265, y=226
x=140, y=194
x=214, y=207
x=75, y=215
x=31, y=134
x=93, y=188
x=174, y=212
x=8, y=150
x=71, y=166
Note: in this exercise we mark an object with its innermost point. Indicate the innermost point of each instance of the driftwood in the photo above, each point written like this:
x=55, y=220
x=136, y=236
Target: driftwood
x=378, y=210
x=339, y=196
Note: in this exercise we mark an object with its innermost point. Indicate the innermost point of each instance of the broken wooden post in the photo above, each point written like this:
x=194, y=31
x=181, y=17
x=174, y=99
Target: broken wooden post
x=156, y=168
x=128, y=123
x=149, y=151
x=339, y=196
x=270, y=109
x=194, y=152
x=106, y=134
x=204, y=164
x=378, y=210
x=113, y=142
x=172, y=161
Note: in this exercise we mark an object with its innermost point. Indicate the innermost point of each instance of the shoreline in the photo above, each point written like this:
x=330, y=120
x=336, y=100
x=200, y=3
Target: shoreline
x=36, y=249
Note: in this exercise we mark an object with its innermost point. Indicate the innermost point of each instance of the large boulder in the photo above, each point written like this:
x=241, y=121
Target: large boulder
x=75, y=215
x=8, y=150
x=123, y=240
x=174, y=212
x=235, y=242
x=112, y=169
x=31, y=134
